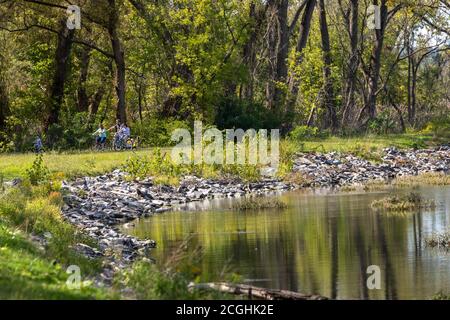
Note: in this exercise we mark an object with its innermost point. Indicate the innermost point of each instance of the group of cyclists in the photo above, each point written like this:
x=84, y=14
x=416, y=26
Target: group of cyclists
x=122, y=137
x=121, y=141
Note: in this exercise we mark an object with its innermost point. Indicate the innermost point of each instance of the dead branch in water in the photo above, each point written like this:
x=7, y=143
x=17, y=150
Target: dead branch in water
x=255, y=292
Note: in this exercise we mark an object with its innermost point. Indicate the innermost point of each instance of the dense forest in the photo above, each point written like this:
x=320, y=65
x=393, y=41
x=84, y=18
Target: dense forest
x=341, y=66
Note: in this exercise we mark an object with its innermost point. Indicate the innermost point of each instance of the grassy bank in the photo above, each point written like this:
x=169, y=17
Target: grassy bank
x=27, y=272
x=92, y=163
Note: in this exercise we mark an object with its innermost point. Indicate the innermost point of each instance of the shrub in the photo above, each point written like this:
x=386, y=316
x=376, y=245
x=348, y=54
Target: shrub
x=38, y=172
x=382, y=124
x=439, y=128
x=156, y=132
x=238, y=113
x=301, y=133
x=157, y=165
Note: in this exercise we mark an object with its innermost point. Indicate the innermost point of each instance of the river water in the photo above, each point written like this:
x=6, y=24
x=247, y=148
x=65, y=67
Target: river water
x=322, y=244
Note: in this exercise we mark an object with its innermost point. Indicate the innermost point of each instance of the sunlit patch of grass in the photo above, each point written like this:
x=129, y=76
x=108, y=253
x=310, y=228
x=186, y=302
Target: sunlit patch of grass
x=26, y=272
x=372, y=143
x=69, y=165
x=37, y=210
x=409, y=202
x=259, y=203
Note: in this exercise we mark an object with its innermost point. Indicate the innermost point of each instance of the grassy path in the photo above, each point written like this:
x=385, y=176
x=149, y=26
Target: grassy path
x=71, y=164
x=93, y=163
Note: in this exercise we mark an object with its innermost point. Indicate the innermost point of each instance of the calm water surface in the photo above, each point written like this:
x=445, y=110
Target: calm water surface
x=322, y=243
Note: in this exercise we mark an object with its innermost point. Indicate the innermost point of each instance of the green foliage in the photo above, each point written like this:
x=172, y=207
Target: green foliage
x=441, y=296
x=155, y=132
x=246, y=172
x=26, y=273
x=148, y=282
x=236, y=113
x=36, y=210
x=439, y=128
x=383, y=124
x=159, y=165
x=38, y=172
x=365, y=152
x=301, y=133
x=168, y=280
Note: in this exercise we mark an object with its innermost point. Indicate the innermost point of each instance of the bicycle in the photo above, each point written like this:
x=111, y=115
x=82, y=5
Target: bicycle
x=99, y=146
x=120, y=143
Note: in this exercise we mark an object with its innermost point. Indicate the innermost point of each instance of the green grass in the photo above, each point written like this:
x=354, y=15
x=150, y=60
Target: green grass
x=375, y=143
x=26, y=272
x=70, y=164
x=29, y=272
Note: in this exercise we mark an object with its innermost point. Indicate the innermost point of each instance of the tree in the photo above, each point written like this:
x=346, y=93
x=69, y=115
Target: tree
x=329, y=98
x=62, y=60
x=305, y=26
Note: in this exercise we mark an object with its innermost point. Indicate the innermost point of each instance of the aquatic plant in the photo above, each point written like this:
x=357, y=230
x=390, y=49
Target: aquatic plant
x=258, y=204
x=409, y=202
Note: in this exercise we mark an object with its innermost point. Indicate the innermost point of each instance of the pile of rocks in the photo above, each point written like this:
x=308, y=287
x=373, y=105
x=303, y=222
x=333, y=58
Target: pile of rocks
x=336, y=169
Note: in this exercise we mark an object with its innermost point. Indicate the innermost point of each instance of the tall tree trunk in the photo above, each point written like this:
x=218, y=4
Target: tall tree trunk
x=410, y=68
x=329, y=98
x=351, y=80
x=83, y=99
x=119, y=59
x=249, y=52
x=375, y=61
x=4, y=101
x=283, y=51
x=96, y=100
x=278, y=51
x=62, y=60
x=305, y=26
x=412, y=110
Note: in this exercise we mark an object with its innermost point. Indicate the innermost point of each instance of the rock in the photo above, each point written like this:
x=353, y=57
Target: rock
x=87, y=251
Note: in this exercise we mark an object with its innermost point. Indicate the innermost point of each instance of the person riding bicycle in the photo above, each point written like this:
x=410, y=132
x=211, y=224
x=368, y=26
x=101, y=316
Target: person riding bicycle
x=101, y=136
x=126, y=132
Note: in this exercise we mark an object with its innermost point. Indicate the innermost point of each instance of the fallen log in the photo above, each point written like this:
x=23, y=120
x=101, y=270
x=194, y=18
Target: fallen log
x=255, y=292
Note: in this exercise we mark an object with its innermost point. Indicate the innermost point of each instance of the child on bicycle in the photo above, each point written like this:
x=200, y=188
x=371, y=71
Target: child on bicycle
x=38, y=146
x=101, y=136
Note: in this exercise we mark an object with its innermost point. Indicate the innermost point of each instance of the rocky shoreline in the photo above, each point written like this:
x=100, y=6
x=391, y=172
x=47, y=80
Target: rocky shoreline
x=100, y=205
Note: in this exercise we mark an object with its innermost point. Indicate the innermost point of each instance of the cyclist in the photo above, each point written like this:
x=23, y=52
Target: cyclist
x=38, y=146
x=101, y=136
